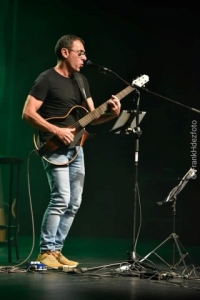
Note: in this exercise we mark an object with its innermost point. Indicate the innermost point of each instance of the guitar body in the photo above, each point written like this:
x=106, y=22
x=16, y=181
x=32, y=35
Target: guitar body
x=54, y=151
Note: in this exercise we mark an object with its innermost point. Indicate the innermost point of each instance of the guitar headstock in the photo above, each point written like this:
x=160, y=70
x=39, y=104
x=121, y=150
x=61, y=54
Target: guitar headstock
x=140, y=81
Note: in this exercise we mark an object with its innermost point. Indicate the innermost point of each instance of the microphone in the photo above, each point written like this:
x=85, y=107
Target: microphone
x=89, y=63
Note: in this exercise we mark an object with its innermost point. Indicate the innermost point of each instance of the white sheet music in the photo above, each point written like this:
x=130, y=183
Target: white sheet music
x=124, y=117
x=175, y=191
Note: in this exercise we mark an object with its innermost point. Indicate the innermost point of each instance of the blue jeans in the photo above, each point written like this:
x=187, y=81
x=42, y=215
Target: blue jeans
x=66, y=187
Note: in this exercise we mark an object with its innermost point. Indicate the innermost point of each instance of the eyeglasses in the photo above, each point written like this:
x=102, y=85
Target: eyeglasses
x=79, y=52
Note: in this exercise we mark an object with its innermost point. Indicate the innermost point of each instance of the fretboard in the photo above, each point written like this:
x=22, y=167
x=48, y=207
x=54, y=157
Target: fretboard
x=102, y=108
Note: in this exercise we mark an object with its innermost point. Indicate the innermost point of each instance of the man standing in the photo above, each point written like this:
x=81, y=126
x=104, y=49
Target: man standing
x=56, y=93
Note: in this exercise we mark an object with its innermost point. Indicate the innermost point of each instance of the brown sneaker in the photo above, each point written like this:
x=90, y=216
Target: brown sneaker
x=64, y=261
x=49, y=260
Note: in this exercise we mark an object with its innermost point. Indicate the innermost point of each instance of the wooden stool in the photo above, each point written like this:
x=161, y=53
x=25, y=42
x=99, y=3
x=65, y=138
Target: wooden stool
x=11, y=226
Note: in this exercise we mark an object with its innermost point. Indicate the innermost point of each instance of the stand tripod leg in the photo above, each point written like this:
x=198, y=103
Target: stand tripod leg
x=178, y=245
x=182, y=256
x=153, y=252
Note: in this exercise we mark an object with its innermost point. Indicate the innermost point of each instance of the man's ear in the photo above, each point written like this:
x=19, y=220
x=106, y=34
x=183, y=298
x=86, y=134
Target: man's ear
x=65, y=52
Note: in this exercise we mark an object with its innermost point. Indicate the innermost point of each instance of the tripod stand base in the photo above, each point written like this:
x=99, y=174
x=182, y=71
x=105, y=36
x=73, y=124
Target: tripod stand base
x=179, y=247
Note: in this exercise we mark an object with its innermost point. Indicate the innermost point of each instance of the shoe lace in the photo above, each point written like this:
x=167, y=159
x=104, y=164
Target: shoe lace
x=49, y=252
x=56, y=254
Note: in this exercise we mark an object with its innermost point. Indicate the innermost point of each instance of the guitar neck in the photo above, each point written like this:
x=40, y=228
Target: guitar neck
x=102, y=108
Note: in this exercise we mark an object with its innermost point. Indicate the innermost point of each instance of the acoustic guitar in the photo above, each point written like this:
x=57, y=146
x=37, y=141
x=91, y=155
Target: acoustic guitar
x=47, y=150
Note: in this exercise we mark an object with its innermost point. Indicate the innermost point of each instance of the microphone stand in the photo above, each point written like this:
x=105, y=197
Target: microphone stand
x=137, y=131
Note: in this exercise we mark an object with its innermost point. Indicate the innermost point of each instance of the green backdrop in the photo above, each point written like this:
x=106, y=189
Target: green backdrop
x=131, y=40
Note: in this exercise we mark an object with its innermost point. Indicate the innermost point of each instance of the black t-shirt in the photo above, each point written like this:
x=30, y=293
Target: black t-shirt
x=59, y=94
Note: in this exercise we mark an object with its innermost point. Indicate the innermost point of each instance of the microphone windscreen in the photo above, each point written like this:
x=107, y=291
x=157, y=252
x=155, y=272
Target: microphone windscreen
x=88, y=63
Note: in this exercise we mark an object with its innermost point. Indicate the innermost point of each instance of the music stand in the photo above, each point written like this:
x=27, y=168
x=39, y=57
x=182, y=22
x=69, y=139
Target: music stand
x=172, y=197
x=126, y=122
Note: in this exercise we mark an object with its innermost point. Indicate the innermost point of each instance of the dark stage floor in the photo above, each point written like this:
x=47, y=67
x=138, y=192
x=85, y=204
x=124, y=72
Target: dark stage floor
x=150, y=278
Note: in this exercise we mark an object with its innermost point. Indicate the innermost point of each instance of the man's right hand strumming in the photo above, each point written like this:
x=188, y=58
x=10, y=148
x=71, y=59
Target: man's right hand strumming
x=66, y=135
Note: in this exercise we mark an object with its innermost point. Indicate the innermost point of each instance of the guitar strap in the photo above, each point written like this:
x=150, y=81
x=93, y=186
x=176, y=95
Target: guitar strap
x=79, y=80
